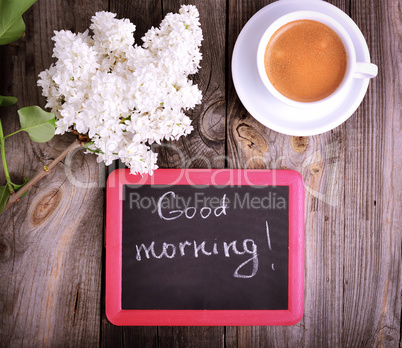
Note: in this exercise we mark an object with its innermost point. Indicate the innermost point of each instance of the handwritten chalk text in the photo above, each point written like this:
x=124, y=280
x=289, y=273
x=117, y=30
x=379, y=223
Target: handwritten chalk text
x=190, y=211
x=196, y=249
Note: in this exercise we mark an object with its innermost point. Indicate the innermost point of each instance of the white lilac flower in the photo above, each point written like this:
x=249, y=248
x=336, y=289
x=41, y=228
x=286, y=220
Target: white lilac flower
x=126, y=97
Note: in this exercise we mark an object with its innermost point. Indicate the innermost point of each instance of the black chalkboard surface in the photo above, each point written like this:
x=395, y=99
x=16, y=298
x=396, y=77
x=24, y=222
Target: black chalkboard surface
x=204, y=244
x=192, y=247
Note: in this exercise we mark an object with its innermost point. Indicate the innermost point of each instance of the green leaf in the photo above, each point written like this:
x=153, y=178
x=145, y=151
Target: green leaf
x=4, y=195
x=11, y=24
x=14, y=32
x=7, y=101
x=17, y=187
x=39, y=124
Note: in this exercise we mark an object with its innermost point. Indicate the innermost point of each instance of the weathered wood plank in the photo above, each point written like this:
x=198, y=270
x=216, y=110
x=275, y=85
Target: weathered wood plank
x=372, y=284
x=345, y=171
x=144, y=14
x=191, y=336
x=251, y=145
x=205, y=146
x=51, y=241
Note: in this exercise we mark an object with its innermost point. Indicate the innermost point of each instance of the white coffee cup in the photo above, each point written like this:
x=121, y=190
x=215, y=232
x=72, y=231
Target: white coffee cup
x=354, y=69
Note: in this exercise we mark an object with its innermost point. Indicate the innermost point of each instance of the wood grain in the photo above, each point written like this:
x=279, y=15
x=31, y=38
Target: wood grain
x=352, y=244
x=144, y=14
x=51, y=241
x=51, y=257
x=205, y=146
x=373, y=192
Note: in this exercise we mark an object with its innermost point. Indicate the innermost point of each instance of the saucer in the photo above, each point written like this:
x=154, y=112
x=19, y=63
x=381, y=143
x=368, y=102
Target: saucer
x=262, y=105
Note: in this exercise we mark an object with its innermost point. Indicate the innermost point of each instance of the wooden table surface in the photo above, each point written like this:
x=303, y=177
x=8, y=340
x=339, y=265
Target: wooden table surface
x=52, y=242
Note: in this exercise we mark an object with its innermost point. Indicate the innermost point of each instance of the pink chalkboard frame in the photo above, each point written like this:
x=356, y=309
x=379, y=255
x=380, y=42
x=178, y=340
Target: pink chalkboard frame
x=118, y=316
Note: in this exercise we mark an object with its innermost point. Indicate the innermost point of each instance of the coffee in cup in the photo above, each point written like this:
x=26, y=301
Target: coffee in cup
x=306, y=58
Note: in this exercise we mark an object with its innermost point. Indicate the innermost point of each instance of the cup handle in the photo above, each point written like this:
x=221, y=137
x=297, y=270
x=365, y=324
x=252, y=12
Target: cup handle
x=365, y=70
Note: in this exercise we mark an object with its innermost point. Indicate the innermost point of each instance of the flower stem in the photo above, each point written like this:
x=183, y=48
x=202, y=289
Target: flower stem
x=3, y=158
x=43, y=172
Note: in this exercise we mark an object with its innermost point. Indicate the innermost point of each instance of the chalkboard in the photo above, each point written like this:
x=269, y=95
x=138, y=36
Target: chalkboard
x=205, y=247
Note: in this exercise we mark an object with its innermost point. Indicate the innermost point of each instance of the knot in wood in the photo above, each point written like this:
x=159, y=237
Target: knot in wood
x=253, y=137
x=5, y=250
x=299, y=144
x=45, y=206
x=212, y=123
x=315, y=169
